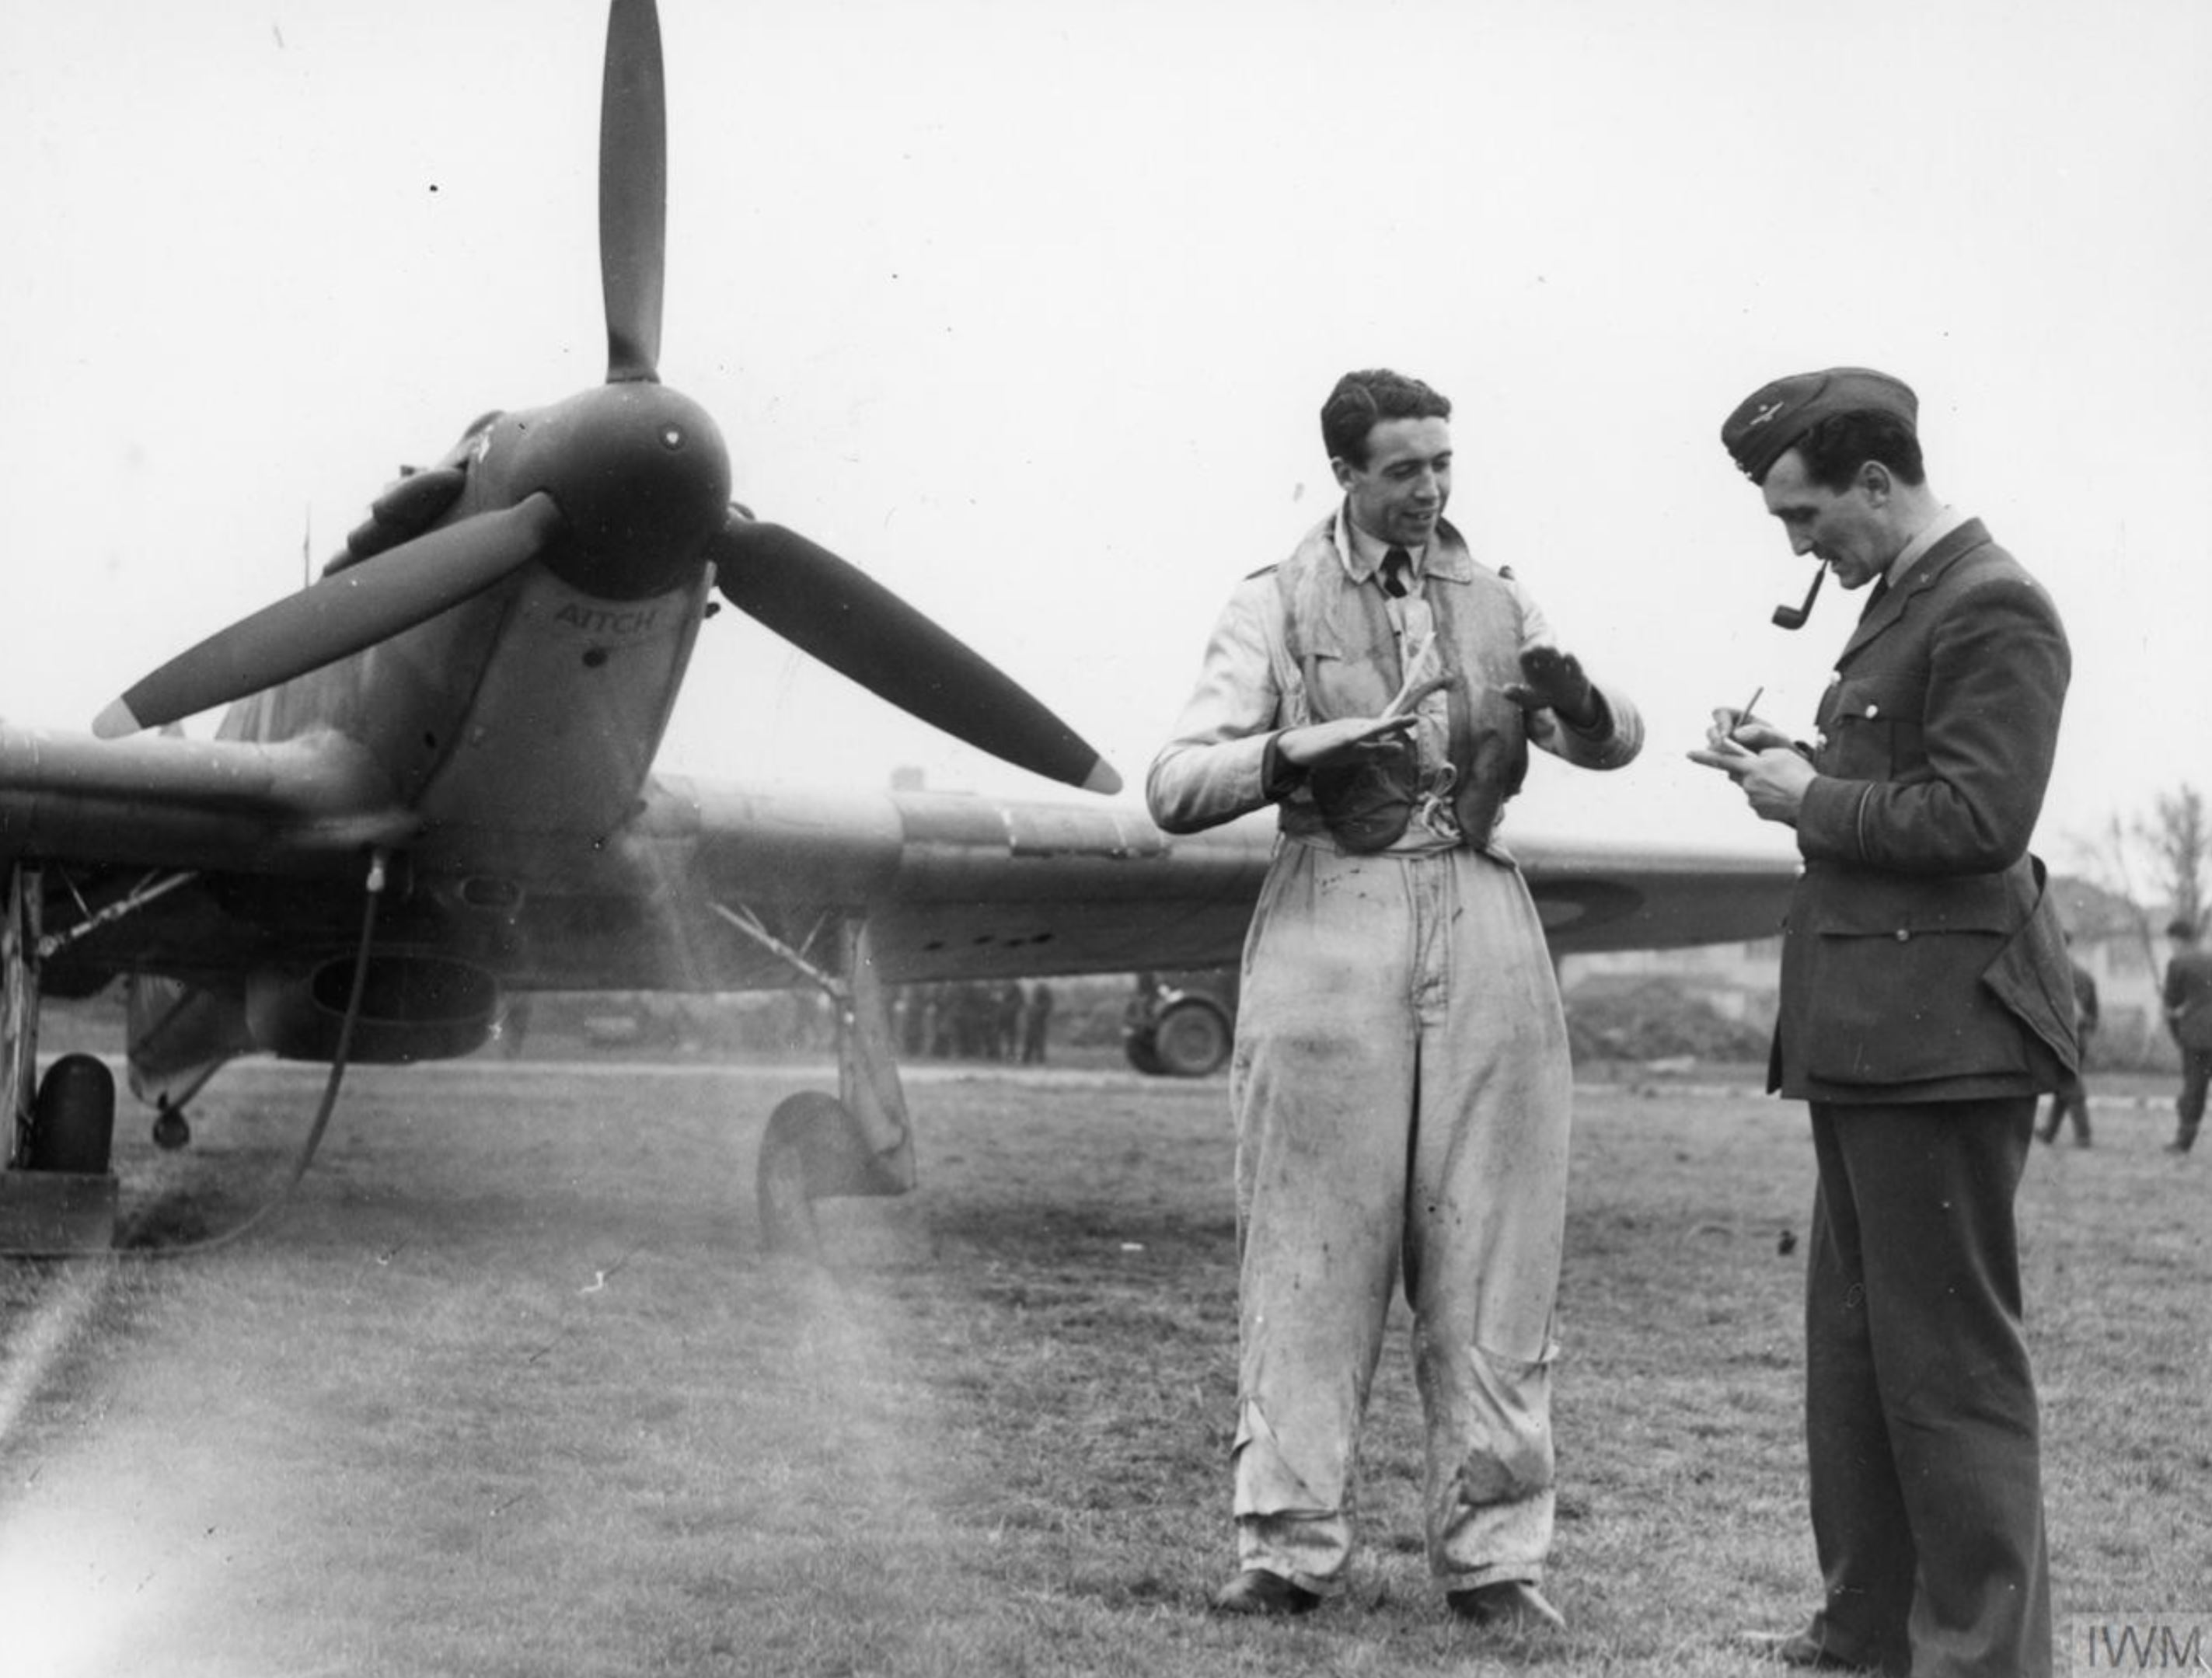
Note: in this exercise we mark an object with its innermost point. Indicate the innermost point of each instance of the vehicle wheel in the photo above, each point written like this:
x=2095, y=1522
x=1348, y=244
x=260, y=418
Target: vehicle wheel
x=1192, y=1039
x=1143, y=1056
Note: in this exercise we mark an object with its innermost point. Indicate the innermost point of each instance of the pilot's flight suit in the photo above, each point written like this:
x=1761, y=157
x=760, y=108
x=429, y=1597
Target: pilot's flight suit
x=1400, y=1080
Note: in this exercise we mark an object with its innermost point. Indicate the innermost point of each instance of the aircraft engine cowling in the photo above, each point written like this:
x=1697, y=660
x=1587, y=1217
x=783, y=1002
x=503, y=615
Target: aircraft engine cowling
x=412, y=1008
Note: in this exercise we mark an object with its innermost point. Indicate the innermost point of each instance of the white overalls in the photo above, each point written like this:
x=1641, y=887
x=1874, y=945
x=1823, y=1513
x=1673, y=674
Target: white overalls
x=1402, y=1082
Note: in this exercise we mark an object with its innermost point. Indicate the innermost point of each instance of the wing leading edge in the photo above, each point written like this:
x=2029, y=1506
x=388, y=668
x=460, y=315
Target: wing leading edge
x=961, y=886
x=952, y=885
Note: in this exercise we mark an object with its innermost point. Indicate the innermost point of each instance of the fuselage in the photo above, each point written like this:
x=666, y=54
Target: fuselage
x=530, y=715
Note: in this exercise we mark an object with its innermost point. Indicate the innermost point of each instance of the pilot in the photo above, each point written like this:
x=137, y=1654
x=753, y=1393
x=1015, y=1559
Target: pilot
x=1400, y=1079
x=1926, y=1000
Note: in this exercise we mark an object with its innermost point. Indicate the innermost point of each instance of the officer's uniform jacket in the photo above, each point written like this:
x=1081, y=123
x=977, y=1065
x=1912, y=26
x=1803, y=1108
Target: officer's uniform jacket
x=2188, y=998
x=1923, y=960
x=1309, y=641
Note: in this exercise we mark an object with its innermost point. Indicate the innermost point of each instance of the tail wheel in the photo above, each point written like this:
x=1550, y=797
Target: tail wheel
x=170, y=1130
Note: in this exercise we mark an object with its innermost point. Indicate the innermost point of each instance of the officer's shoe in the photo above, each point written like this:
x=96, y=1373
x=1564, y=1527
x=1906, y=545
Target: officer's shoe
x=1510, y=1604
x=1796, y=1649
x=1255, y=1591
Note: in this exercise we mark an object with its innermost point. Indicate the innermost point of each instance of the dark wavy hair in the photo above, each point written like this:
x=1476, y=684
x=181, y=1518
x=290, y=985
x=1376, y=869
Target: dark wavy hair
x=1361, y=399
x=1837, y=447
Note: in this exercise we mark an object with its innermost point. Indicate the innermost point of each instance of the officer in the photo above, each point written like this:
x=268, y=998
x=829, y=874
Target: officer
x=1925, y=1003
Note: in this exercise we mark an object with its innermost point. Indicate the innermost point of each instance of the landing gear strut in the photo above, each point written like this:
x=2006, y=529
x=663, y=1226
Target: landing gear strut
x=857, y=1142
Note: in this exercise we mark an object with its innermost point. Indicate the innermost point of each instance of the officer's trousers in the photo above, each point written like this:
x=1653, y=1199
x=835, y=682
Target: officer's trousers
x=1402, y=1090
x=1920, y=1411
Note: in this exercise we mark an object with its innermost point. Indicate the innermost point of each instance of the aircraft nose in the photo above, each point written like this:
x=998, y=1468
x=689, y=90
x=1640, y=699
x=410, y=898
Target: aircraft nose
x=642, y=479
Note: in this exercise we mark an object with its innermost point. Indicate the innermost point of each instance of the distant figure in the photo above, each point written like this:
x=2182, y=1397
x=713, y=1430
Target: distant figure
x=1400, y=1080
x=1006, y=1023
x=1036, y=1018
x=944, y=1020
x=2188, y=998
x=964, y=1000
x=979, y=1019
x=2071, y=1098
x=1144, y=993
x=514, y=1027
x=1924, y=1009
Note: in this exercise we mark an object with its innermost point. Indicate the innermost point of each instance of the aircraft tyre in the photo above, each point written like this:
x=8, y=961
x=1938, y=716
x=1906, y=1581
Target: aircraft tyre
x=1191, y=1039
x=812, y=1148
x=75, y=1124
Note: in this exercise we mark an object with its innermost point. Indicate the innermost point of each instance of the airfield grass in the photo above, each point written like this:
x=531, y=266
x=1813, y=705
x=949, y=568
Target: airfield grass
x=510, y=1388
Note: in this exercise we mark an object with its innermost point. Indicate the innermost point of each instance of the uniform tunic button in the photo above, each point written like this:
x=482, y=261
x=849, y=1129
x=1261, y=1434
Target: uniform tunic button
x=1873, y=711
x=1902, y=934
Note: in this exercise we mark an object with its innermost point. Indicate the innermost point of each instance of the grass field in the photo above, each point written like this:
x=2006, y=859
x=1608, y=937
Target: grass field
x=509, y=1388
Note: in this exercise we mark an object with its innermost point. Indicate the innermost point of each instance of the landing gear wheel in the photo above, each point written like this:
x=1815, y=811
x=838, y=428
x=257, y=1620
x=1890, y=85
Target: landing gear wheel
x=75, y=1117
x=170, y=1130
x=812, y=1148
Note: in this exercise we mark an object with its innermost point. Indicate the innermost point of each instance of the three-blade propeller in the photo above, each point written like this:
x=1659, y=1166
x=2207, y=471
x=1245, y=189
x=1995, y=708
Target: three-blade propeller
x=800, y=590
x=633, y=191
x=343, y=614
x=839, y=614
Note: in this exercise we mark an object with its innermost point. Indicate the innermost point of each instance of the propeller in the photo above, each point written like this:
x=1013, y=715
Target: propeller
x=391, y=591
x=801, y=591
x=345, y=613
x=633, y=191
x=838, y=614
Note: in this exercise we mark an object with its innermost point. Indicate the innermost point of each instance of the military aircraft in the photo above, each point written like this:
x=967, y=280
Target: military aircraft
x=432, y=790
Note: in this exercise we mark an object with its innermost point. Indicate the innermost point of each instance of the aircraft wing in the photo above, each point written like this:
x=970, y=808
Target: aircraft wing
x=166, y=801
x=966, y=886
x=711, y=884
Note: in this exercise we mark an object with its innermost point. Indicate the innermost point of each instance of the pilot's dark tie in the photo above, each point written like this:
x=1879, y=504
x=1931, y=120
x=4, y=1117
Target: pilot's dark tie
x=1396, y=565
x=1874, y=595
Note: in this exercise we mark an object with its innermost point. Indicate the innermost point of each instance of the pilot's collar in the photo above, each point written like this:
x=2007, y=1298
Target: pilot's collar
x=1361, y=554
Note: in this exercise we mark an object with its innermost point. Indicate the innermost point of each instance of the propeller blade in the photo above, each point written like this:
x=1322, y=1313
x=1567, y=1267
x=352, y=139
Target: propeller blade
x=345, y=613
x=859, y=628
x=633, y=191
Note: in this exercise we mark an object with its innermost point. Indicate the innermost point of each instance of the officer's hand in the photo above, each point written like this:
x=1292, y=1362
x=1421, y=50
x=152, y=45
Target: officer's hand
x=1745, y=729
x=1323, y=745
x=1773, y=779
x=1553, y=680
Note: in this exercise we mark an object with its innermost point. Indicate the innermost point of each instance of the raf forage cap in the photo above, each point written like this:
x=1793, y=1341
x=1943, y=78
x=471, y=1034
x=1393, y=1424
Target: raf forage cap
x=1774, y=416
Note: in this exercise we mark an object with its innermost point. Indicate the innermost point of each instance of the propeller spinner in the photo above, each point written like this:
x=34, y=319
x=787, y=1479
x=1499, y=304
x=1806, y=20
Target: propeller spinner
x=582, y=509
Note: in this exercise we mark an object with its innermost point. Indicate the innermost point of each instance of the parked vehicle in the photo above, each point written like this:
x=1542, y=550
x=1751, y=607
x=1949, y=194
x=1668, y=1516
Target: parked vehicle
x=1180, y=1024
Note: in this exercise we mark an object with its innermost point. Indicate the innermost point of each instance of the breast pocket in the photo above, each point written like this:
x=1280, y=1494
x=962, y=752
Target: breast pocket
x=1873, y=731
x=1343, y=686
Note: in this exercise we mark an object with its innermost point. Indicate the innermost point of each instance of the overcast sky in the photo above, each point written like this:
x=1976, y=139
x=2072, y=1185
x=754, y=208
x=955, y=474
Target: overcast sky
x=1028, y=309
